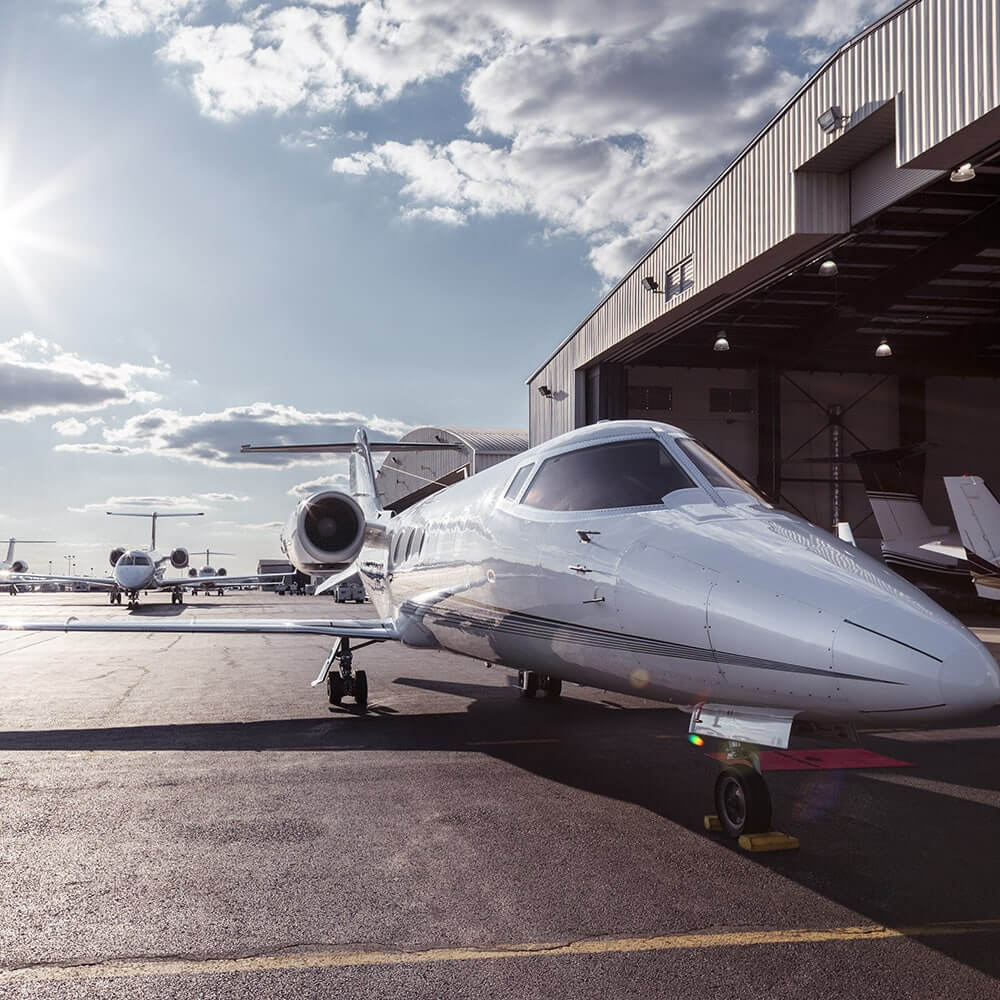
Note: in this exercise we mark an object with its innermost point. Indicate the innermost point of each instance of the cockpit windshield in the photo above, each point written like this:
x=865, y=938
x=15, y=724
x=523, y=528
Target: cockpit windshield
x=134, y=559
x=715, y=470
x=617, y=474
x=126, y=560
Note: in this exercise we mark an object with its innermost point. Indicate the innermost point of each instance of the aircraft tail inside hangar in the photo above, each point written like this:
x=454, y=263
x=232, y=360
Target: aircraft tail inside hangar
x=867, y=210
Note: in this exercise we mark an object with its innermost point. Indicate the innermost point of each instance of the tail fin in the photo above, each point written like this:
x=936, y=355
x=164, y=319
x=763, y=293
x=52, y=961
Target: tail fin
x=894, y=483
x=11, y=542
x=362, y=481
x=977, y=514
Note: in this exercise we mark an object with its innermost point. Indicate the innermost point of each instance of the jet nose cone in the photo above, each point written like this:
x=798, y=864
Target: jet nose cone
x=969, y=678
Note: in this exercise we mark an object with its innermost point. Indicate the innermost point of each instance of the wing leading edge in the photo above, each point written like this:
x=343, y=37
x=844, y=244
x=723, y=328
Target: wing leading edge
x=349, y=628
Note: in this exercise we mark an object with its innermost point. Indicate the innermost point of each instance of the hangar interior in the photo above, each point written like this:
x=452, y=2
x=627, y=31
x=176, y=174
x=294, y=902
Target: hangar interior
x=801, y=385
x=867, y=210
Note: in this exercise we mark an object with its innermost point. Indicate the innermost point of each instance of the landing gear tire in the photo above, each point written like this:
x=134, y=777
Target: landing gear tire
x=361, y=689
x=742, y=801
x=527, y=681
x=335, y=687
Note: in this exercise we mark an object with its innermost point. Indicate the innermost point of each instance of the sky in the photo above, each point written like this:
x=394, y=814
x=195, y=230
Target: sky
x=230, y=222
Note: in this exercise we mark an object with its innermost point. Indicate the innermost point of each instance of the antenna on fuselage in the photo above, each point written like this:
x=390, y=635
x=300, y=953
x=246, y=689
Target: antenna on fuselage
x=154, y=515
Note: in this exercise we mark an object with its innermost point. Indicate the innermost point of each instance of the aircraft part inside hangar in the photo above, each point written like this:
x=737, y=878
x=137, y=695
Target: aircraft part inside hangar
x=867, y=210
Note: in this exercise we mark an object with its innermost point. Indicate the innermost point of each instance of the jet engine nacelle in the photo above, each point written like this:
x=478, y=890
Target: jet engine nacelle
x=221, y=571
x=19, y=566
x=116, y=554
x=179, y=558
x=324, y=533
x=192, y=571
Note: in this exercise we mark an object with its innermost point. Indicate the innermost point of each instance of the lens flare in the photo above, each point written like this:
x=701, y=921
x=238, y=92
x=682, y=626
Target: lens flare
x=695, y=740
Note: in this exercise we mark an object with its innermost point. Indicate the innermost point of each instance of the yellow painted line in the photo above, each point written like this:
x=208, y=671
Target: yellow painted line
x=136, y=969
x=507, y=743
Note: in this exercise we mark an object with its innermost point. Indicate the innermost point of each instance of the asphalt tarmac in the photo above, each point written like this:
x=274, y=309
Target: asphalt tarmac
x=183, y=816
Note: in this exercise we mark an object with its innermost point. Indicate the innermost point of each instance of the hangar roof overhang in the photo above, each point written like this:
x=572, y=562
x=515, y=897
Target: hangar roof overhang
x=924, y=273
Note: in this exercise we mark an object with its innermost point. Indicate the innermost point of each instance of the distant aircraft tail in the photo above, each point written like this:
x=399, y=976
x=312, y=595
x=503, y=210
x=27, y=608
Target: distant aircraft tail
x=11, y=542
x=977, y=514
x=894, y=483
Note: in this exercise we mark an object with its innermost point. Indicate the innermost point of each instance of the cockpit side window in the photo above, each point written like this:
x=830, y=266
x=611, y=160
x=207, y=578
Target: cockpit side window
x=126, y=561
x=715, y=470
x=518, y=481
x=637, y=473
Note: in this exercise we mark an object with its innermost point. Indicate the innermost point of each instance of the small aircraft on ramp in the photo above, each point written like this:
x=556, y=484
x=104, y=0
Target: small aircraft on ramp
x=12, y=565
x=140, y=570
x=626, y=556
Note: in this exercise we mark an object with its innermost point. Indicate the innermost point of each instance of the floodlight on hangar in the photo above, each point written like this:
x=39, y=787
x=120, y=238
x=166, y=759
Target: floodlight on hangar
x=721, y=342
x=883, y=350
x=829, y=269
x=544, y=390
x=832, y=119
x=961, y=174
x=651, y=285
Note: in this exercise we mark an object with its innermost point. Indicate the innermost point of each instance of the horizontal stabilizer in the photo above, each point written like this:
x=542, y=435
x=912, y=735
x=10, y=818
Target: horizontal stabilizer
x=345, y=448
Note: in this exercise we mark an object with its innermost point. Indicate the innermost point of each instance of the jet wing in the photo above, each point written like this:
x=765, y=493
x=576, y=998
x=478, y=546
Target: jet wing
x=221, y=581
x=345, y=628
x=7, y=577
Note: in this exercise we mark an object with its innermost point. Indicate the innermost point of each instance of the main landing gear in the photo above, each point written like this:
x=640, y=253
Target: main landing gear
x=344, y=681
x=115, y=596
x=742, y=801
x=531, y=683
x=177, y=596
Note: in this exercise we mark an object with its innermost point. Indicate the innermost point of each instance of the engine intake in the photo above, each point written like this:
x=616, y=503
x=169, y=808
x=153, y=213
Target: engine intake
x=179, y=558
x=324, y=533
x=116, y=554
x=19, y=566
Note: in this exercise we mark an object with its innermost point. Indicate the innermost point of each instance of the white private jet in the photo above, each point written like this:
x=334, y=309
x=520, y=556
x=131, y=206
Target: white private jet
x=208, y=571
x=628, y=557
x=12, y=565
x=977, y=514
x=139, y=570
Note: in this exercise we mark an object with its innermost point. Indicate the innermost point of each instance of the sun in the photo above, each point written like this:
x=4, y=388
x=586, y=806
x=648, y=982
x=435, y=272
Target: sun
x=26, y=234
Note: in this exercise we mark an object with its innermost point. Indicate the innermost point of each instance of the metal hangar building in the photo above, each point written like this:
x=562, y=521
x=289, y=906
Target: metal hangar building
x=849, y=259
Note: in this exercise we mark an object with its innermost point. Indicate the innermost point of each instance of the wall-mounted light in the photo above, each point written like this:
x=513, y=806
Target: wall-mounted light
x=544, y=390
x=721, y=342
x=883, y=350
x=829, y=269
x=651, y=285
x=832, y=119
x=961, y=174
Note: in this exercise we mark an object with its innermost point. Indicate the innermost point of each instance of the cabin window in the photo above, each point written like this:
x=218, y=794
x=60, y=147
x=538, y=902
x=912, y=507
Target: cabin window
x=619, y=474
x=518, y=481
x=715, y=470
x=411, y=548
x=397, y=549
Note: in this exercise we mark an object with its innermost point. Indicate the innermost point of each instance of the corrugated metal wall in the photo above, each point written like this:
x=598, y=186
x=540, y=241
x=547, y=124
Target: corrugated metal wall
x=937, y=59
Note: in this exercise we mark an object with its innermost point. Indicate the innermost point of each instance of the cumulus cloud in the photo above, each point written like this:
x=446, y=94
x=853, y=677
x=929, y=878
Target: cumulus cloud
x=71, y=427
x=238, y=527
x=321, y=135
x=597, y=120
x=38, y=377
x=336, y=481
x=161, y=502
x=214, y=439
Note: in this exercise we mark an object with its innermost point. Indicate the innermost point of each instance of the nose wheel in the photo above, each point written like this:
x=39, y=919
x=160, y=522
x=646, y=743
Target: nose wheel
x=742, y=801
x=530, y=683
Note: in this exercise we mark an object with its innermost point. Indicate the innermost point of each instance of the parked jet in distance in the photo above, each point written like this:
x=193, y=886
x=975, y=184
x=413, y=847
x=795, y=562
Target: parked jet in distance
x=138, y=570
x=628, y=557
x=12, y=565
x=208, y=571
x=977, y=514
x=926, y=554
